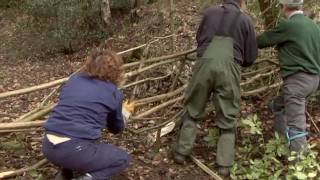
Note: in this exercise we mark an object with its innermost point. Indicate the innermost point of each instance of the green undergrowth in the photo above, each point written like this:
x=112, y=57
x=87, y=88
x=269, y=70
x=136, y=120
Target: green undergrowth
x=261, y=158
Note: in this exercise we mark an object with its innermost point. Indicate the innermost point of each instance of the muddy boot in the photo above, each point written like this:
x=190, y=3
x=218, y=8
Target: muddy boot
x=179, y=158
x=64, y=174
x=187, y=136
x=298, y=144
x=226, y=151
x=224, y=171
x=280, y=123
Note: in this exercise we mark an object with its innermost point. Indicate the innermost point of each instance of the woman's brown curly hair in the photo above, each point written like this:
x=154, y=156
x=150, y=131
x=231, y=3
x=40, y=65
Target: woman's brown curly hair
x=105, y=65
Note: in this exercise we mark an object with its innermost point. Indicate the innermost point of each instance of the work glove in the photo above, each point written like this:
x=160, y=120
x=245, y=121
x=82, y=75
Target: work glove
x=127, y=109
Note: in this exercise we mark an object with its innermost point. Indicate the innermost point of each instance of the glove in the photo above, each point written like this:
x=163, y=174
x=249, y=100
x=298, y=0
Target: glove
x=127, y=109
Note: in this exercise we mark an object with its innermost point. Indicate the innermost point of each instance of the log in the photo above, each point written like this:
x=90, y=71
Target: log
x=8, y=174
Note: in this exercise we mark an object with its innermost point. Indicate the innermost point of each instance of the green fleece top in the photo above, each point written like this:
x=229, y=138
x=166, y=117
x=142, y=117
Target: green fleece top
x=298, y=41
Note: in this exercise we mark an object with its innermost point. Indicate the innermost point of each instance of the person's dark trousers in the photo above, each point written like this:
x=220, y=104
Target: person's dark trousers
x=101, y=161
x=290, y=108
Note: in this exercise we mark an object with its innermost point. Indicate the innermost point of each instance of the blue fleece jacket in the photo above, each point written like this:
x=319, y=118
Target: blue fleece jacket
x=86, y=106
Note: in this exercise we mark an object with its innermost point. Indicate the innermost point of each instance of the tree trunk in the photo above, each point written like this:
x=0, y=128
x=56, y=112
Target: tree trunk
x=106, y=12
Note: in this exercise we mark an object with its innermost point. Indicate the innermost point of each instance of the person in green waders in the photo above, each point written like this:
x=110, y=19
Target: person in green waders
x=298, y=40
x=226, y=40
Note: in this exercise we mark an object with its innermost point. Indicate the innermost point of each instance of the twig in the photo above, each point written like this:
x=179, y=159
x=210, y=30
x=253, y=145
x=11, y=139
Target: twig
x=314, y=123
x=205, y=168
x=8, y=174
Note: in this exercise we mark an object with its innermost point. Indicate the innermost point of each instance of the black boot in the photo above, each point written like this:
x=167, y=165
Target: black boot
x=64, y=174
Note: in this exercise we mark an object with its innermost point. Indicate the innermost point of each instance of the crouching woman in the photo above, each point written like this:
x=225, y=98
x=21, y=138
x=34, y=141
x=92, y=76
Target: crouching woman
x=89, y=102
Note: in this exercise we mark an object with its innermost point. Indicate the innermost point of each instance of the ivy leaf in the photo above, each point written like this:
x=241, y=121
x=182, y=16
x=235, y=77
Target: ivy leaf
x=312, y=174
x=291, y=158
x=300, y=175
x=33, y=173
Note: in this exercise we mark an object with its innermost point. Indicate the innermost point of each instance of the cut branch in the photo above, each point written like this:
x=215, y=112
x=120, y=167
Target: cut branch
x=152, y=60
x=21, y=125
x=161, y=106
x=181, y=66
x=258, y=76
x=32, y=89
x=257, y=71
x=174, y=118
x=262, y=89
x=160, y=97
x=313, y=122
x=23, y=170
x=136, y=72
x=37, y=113
x=144, y=80
x=63, y=80
x=205, y=168
x=21, y=130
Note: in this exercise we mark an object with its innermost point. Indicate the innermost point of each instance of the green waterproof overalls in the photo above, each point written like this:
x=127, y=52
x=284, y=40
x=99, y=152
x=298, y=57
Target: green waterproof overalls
x=215, y=72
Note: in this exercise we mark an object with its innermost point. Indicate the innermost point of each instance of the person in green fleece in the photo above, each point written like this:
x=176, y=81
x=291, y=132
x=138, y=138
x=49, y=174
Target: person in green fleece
x=297, y=39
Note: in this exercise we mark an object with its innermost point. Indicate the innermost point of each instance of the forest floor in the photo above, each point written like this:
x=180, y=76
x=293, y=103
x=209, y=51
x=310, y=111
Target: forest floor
x=18, y=150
